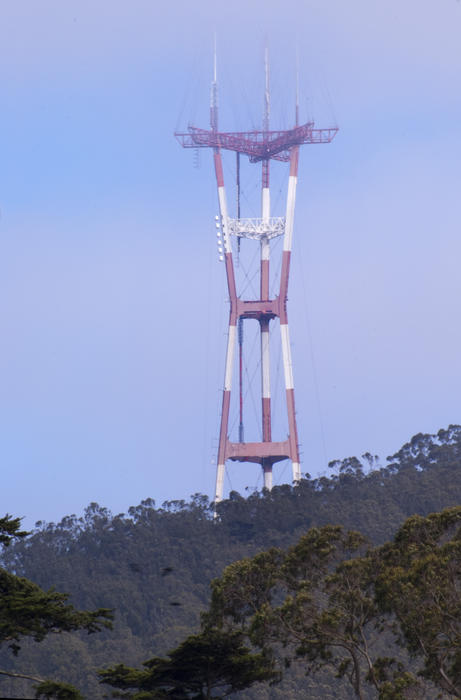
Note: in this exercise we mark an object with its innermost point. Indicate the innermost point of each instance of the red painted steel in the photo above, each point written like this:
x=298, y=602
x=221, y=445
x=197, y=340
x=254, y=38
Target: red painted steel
x=232, y=289
x=218, y=168
x=294, y=160
x=264, y=280
x=223, y=438
x=257, y=145
x=240, y=339
x=292, y=427
x=256, y=451
x=265, y=173
x=266, y=411
x=284, y=277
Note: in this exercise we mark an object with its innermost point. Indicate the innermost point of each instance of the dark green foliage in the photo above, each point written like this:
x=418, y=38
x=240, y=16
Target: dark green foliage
x=27, y=611
x=144, y=562
x=9, y=530
x=210, y=664
x=50, y=690
x=403, y=687
x=314, y=603
x=421, y=583
x=329, y=603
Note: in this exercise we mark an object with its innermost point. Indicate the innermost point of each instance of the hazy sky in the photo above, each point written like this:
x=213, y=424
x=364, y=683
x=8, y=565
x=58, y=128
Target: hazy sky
x=112, y=303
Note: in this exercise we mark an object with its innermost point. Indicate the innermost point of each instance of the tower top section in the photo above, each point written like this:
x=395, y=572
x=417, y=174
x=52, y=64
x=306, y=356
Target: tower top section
x=258, y=145
x=214, y=93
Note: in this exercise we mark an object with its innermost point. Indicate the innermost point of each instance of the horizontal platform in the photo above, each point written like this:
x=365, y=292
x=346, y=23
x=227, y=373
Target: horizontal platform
x=258, y=309
x=256, y=451
x=257, y=228
x=257, y=145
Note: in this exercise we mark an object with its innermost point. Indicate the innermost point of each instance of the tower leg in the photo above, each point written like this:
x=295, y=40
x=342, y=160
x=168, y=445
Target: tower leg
x=223, y=437
x=290, y=397
x=264, y=324
x=225, y=414
x=286, y=349
x=266, y=400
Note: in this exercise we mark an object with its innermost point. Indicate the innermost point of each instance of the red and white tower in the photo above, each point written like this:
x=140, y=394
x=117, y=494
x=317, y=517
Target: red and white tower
x=260, y=147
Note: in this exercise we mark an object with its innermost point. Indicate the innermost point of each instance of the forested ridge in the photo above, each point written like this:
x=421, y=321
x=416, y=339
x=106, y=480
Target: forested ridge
x=153, y=566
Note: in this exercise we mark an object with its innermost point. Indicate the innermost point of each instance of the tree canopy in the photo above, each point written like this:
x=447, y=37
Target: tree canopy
x=212, y=664
x=27, y=611
x=333, y=602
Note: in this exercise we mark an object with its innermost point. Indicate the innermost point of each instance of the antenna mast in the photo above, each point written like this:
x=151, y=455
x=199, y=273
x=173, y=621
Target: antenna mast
x=214, y=93
x=297, y=88
x=267, y=96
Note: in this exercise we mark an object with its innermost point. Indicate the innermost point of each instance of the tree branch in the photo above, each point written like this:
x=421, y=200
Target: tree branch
x=21, y=675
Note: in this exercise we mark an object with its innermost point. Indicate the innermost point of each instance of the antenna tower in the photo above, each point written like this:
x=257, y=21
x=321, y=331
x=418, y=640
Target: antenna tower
x=260, y=146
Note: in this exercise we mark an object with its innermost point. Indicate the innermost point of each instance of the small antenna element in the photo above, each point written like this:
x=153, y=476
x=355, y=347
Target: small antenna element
x=267, y=96
x=297, y=87
x=214, y=92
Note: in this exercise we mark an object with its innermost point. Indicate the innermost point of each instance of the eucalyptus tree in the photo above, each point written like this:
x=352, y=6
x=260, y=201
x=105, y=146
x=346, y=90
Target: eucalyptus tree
x=27, y=611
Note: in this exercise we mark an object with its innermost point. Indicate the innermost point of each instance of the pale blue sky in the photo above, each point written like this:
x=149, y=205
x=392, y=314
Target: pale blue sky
x=112, y=305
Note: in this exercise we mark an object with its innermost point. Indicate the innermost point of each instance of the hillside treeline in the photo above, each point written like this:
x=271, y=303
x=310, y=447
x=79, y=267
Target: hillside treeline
x=154, y=565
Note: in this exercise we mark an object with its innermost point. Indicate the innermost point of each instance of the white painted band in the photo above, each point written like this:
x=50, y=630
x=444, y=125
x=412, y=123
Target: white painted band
x=224, y=218
x=266, y=203
x=265, y=248
x=290, y=215
x=296, y=472
x=219, y=483
x=229, y=358
x=266, y=212
x=265, y=365
x=286, y=352
x=268, y=480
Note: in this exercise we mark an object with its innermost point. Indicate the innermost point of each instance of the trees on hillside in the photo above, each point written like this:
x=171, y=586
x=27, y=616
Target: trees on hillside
x=387, y=619
x=154, y=564
x=27, y=611
x=313, y=603
x=330, y=602
x=419, y=585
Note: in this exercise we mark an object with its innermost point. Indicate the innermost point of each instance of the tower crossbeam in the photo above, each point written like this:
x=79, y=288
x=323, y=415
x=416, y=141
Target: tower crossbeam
x=257, y=228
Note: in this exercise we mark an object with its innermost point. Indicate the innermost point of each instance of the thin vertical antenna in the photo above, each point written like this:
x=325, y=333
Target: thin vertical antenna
x=237, y=172
x=267, y=96
x=267, y=112
x=238, y=185
x=297, y=87
x=214, y=92
x=240, y=339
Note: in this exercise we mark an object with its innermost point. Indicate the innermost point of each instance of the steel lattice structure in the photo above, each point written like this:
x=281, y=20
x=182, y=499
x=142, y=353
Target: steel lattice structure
x=260, y=146
x=257, y=145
